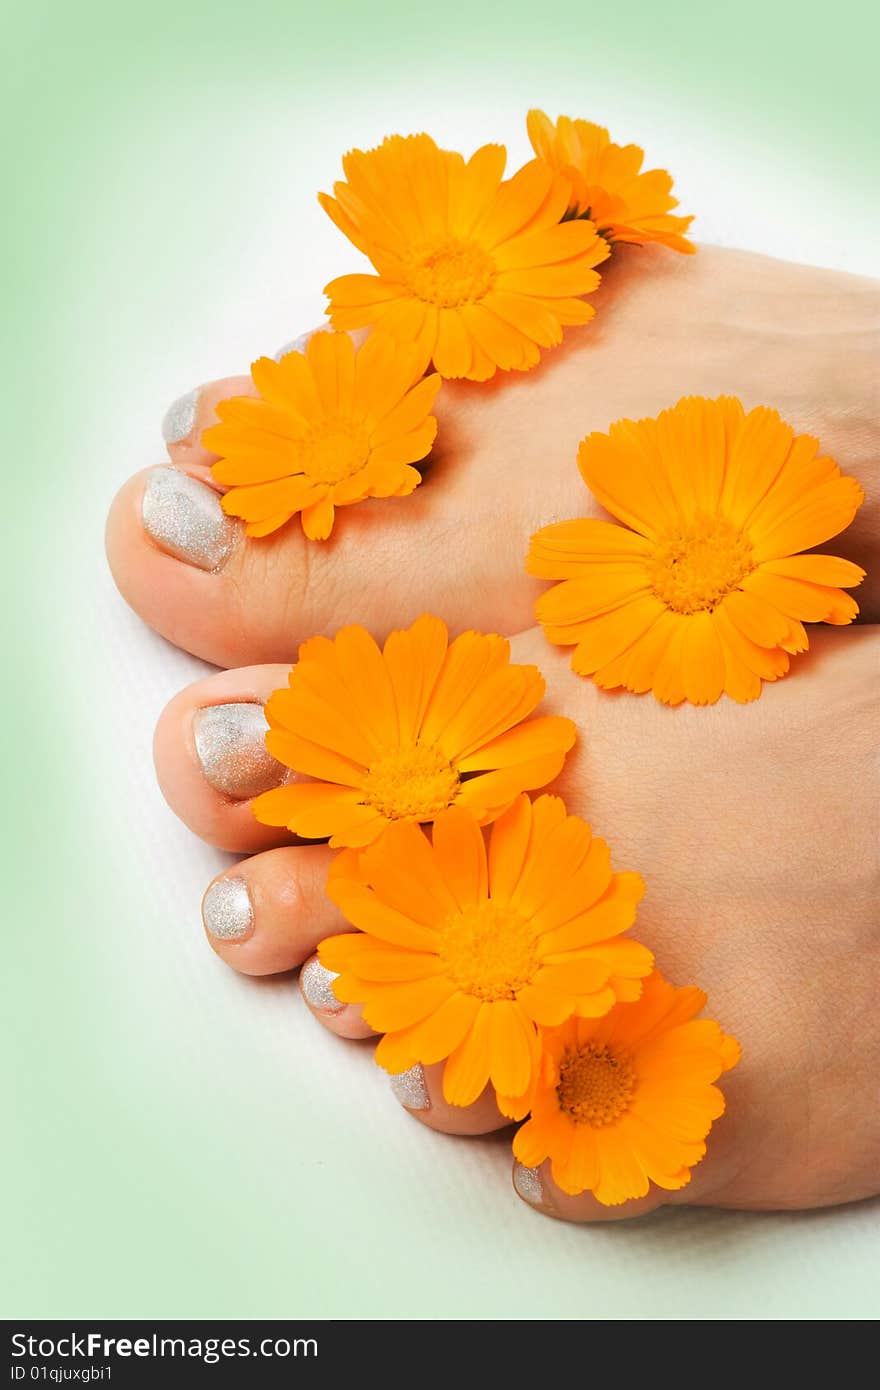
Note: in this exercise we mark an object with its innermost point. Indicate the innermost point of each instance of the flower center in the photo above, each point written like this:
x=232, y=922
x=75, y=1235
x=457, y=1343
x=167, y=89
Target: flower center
x=695, y=568
x=595, y=1085
x=414, y=783
x=333, y=450
x=450, y=273
x=489, y=950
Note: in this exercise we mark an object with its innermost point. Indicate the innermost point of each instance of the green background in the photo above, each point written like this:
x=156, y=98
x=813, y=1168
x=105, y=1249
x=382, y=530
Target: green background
x=145, y=149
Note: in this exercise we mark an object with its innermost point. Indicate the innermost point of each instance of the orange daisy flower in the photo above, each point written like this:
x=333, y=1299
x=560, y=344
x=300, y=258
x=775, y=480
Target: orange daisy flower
x=402, y=733
x=477, y=272
x=329, y=426
x=706, y=591
x=461, y=955
x=627, y=1100
x=608, y=183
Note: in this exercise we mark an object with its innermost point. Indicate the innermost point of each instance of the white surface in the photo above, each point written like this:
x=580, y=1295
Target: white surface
x=256, y=285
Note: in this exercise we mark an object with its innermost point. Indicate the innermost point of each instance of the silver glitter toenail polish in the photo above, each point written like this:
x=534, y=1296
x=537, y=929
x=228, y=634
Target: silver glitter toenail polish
x=185, y=518
x=179, y=418
x=528, y=1184
x=410, y=1089
x=230, y=744
x=227, y=909
x=299, y=344
x=316, y=984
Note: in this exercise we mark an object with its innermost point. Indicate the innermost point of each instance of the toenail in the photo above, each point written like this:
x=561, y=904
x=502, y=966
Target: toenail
x=230, y=743
x=185, y=518
x=227, y=909
x=179, y=418
x=528, y=1184
x=316, y=983
x=410, y=1089
x=299, y=344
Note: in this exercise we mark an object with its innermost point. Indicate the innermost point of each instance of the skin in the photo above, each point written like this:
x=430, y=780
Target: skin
x=763, y=876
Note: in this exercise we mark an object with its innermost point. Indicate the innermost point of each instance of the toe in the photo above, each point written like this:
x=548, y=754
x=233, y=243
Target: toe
x=536, y=1188
x=211, y=758
x=268, y=913
x=316, y=987
x=420, y=1091
x=189, y=571
x=186, y=418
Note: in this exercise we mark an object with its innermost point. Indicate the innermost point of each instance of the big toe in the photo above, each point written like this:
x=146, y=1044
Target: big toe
x=454, y=546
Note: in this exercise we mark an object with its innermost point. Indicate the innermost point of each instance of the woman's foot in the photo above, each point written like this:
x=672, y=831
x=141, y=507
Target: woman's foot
x=750, y=893
x=761, y=886
x=505, y=462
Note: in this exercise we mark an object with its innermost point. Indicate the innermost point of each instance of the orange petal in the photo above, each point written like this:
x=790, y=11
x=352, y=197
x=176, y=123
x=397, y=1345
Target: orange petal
x=414, y=659
x=826, y=570
x=362, y=667
x=582, y=1168
x=489, y=794
x=438, y=1035
x=453, y=352
x=613, y=914
x=811, y=603
x=390, y=1008
x=586, y=879
x=313, y=759
x=404, y=872
x=756, y=619
x=466, y=1073
x=702, y=661
x=605, y=637
x=317, y=519
x=581, y=974
x=460, y=853
x=624, y=470
x=376, y=962
x=548, y=734
x=621, y=1175
x=409, y=413
x=811, y=520
x=571, y=549
x=508, y=845
x=498, y=702
x=366, y=911
x=546, y=1007
x=474, y=188
x=309, y=809
x=512, y=1047
x=608, y=586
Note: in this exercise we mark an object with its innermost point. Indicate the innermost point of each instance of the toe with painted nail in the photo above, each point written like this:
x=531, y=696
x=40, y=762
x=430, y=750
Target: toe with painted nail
x=231, y=748
x=528, y=1184
x=185, y=519
x=410, y=1088
x=316, y=983
x=179, y=418
x=227, y=909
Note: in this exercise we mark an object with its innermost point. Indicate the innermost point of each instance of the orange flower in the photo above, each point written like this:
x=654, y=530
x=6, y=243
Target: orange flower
x=476, y=271
x=402, y=733
x=627, y=1100
x=330, y=426
x=608, y=183
x=461, y=956
x=706, y=592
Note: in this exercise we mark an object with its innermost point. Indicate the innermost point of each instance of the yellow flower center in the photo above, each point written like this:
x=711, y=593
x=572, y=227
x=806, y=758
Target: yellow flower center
x=595, y=1085
x=414, y=783
x=489, y=950
x=451, y=273
x=695, y=568
x=333, y=450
